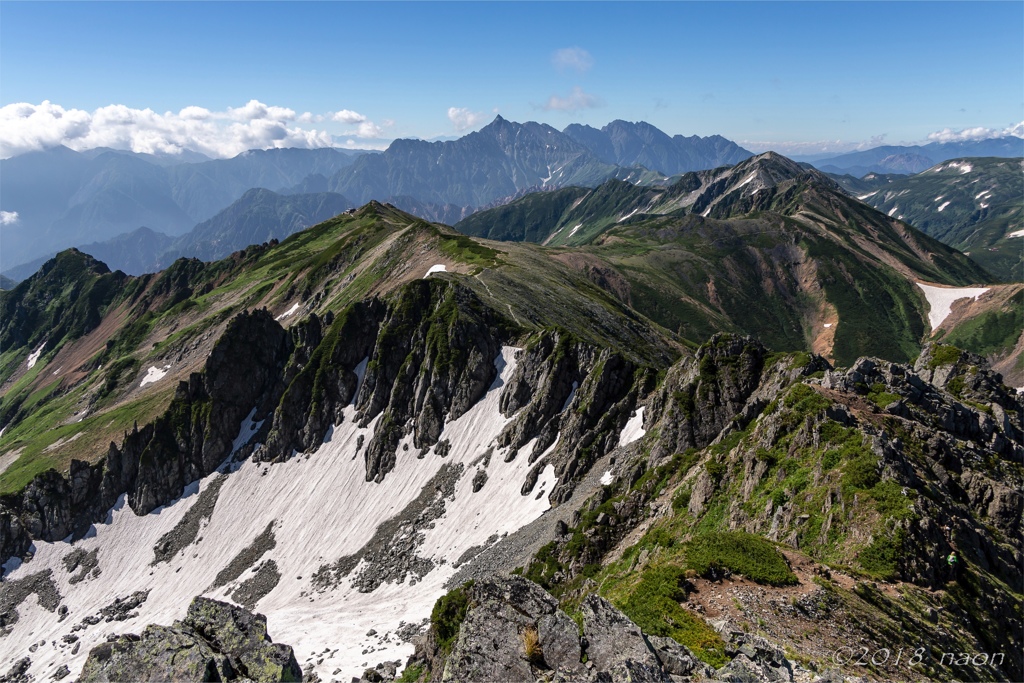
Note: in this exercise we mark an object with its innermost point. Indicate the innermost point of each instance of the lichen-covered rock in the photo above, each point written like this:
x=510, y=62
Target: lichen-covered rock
x=612, y=639
x=215, y=641
x=513, y=630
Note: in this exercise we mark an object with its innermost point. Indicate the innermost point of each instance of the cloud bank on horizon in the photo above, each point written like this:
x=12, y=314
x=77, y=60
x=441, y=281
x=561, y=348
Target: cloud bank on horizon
x=28, y=127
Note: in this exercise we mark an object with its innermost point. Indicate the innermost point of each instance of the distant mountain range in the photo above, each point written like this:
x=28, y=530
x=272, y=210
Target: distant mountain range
x=766, y=247
x=65, y=198
x=916, y=158
x=101, y=200
x=256, y=217
x=972, y=204
x=504, y=158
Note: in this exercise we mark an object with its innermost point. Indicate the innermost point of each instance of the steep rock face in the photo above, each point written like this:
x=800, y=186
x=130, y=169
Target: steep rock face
x=320, y=377
x=215, y=641
x=573, y=398
x=196, y=433
x=156, y=461
x=433, y=359
x=729, y=380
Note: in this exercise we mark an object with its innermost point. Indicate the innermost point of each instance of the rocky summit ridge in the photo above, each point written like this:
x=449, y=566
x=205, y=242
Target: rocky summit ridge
x=425, y=456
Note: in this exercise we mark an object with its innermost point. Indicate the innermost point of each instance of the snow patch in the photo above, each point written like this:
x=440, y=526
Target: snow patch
x=869, y=194
x=634, y=428
x=154, y=374
x=628, y=215
x=34, y=356
x=827, y=325
x=1016, y=233
x=573, y=232
x=607, y=478
x=941, y=299
x=321, y=508
x=246, y=431
x=753, y=174
x=572, y=395
x=944, y=205
x=436, y=268
x=893, y=210
x=290, y=311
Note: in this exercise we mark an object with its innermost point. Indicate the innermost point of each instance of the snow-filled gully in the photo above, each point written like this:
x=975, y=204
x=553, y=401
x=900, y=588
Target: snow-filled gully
x=321, y=508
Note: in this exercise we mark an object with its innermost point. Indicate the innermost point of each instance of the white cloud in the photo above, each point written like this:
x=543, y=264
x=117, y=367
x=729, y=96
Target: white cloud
x=8, y=217
x=26, y=127
x=195, y=113
x=347, y=116
x=463, y=119
x=976, y=133
x=572, y=59
x=575, y=101
x=369, y=129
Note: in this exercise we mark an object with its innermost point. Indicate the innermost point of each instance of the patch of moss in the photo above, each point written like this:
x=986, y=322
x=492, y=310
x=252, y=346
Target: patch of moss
x=741, y=553
x=653, y=604
x=448, y=614
x=943, y=354
x=880, y=556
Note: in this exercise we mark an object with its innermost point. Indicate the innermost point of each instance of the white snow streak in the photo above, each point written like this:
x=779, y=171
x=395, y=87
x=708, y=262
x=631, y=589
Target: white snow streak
x=941, y=299
x=573, y=232
x=628, y=215
x=869, y=194
x=572, y=395
x=944, y=205
x=753, y=174
x=34, y=356
x=1016, y=233
x=607, y=478
x=634, y=428
x=246, y=431
x=154, y=374
x=827, y=325
x=893, y=210
x=290, y=311
x=436, y=268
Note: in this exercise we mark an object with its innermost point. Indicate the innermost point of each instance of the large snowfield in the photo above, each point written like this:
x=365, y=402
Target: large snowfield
x=320, y=508
x=941, y=299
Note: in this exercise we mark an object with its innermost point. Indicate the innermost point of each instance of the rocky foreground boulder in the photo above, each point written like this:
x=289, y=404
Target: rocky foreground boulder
x=511, y=629
x=215, y=641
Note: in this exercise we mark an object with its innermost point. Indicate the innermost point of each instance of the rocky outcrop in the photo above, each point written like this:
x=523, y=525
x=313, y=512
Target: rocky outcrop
x=433, y=359
x=320, y=377
x=513, y=630
x=728, y=381
x=215, y=641
x=155, y=462
x=571, y=395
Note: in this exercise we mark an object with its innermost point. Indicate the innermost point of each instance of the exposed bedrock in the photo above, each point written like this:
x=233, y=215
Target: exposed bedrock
x=156, y=461
x=214, y=642
x=411, y=361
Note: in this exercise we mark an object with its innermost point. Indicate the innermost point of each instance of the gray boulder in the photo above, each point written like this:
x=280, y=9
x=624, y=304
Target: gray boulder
x=215, y=641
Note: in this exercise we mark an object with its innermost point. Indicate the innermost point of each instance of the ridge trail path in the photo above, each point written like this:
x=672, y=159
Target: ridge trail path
x=511, y=312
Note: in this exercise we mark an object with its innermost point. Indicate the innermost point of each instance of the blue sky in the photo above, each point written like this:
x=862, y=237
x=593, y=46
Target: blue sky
x=778, y=73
